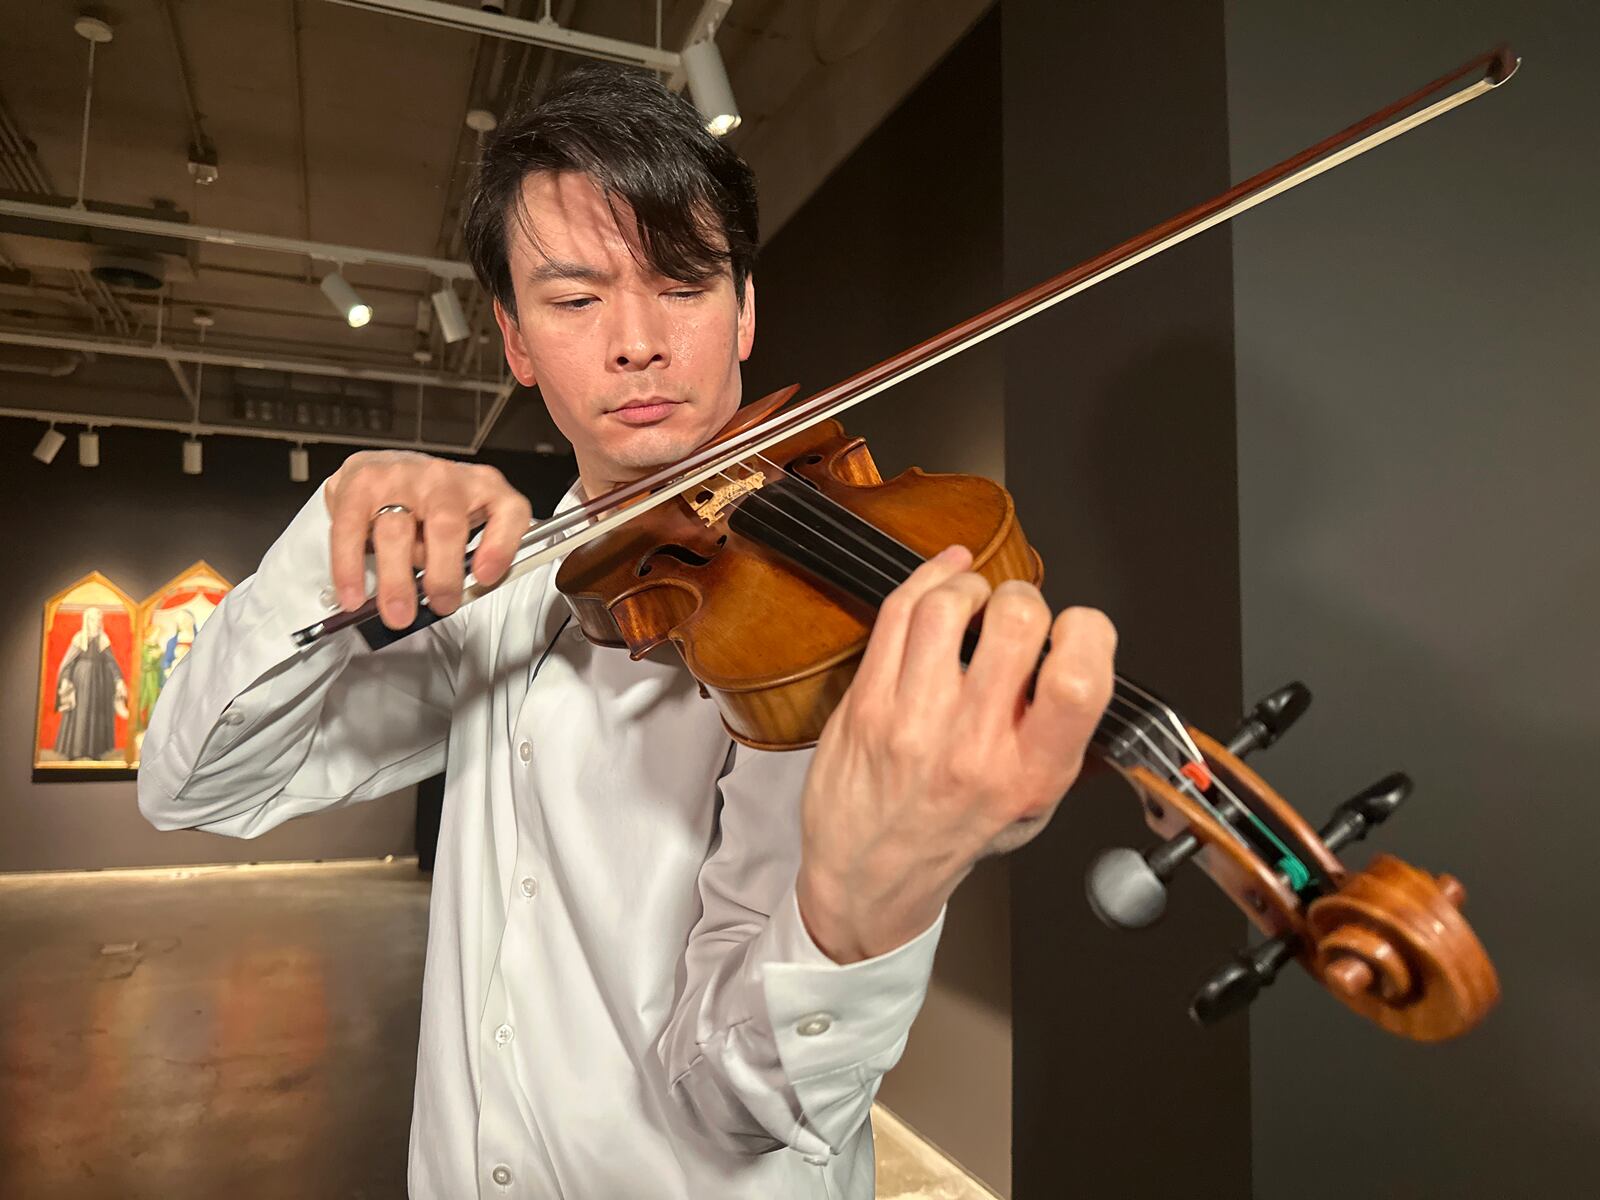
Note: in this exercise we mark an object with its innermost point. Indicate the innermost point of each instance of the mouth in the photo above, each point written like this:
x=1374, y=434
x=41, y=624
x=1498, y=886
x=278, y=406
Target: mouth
x=646, y=410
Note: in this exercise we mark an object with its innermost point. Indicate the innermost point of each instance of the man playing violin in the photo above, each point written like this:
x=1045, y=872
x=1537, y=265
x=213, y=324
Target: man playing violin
x=659, y=963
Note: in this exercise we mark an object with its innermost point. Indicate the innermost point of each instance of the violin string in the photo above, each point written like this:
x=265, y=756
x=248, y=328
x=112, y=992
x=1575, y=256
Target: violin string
x=889, y=582
x=1158, y=758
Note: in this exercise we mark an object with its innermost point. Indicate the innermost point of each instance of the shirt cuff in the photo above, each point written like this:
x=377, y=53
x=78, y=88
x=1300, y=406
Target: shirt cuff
x=828, y=1016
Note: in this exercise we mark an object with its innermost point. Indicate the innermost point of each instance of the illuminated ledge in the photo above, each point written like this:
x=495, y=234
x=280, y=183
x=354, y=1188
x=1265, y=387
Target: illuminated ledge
x=912, y=1168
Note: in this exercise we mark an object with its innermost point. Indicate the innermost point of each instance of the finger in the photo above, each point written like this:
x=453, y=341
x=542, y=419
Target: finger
x=351, y=514
x=444, y=546
x=509, y=515
x=879, y=672
x=1071, y=694
x=394, y=539
x=930, y=669
x=1015, y=623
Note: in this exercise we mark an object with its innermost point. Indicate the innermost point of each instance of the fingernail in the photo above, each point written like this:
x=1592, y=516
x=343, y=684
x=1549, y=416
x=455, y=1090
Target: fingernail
x=950, y=553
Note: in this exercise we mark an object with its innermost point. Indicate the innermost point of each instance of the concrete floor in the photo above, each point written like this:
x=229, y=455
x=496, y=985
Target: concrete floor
x=239, y=1033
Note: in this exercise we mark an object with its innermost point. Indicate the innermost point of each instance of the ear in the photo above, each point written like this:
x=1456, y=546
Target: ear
x=517, y=357
x=747, y=319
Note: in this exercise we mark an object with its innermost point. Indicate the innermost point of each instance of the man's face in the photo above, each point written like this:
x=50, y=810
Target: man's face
x=637, y=370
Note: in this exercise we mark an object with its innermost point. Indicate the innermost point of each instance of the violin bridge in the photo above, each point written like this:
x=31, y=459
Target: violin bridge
x=709, y=502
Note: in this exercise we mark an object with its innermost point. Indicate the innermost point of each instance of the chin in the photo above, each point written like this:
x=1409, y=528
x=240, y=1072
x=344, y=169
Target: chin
x=648, y=449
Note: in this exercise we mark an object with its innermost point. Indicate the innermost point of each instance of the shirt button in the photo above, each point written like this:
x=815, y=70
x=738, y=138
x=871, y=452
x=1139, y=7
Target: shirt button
x=329, y=598
x=501, y=1175
x=814, y=1024
x=525, y=750
x=527, y=887
x=503, y=1035
x=816, y=1160
x=232, y=718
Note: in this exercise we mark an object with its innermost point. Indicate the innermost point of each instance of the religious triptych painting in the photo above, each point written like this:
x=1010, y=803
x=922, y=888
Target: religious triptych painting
x=103, y=660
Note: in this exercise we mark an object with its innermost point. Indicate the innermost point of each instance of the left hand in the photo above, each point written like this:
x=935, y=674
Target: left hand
x=924, y=767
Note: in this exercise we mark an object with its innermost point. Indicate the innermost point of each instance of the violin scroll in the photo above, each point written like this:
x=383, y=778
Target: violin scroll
x=1389, y=941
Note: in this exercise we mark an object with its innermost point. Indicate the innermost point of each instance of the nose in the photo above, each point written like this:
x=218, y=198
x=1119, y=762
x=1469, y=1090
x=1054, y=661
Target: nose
x=639, y=336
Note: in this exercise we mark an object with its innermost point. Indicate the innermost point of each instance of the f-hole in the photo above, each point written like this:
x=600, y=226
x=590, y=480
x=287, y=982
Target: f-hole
x=682, y=553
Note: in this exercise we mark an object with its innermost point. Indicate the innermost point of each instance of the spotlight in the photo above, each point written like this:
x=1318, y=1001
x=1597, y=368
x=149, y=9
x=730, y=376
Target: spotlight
x=49, y=443
x=713, y=94
x=452, y=321
x=299, y=465
x=88, y=448
x=191, y=456
x=344, y=298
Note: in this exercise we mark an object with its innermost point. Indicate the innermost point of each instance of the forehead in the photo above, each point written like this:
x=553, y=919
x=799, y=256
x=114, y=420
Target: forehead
x=565, y=216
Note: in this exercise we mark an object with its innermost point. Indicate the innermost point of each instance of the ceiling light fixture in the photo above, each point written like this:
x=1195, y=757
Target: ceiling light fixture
x=708, y=83
x=50, y=442
x=192, y=456
x=452, y=321
x=299, y=465
x=89, y=448
x=344, y=298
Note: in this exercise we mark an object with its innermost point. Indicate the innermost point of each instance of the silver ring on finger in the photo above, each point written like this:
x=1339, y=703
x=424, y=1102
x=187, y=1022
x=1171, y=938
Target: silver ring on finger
x=392, y=508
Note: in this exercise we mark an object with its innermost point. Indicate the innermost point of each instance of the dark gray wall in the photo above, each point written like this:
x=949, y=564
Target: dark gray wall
x=138, y=520
x=902, y=241
x=1417, y=356
x=1120, y=453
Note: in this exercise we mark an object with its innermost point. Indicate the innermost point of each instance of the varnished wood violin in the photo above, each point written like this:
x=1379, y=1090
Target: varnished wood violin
x=763, y=557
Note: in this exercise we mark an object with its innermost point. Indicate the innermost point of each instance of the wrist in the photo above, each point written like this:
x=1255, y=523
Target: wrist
x=850, y=931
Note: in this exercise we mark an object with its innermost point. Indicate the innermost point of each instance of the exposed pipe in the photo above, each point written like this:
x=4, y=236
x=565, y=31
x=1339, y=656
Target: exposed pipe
x=197, y=133
x=100, y=421
x=324, y=251
x=256, y=362
x=513, y=29
x=59, y=371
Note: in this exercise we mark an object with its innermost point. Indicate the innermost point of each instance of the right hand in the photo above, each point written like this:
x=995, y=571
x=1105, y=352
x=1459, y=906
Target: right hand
x=446, y=500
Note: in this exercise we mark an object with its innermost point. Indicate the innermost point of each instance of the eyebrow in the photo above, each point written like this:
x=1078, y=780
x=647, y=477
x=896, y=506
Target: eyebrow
x=559, y=269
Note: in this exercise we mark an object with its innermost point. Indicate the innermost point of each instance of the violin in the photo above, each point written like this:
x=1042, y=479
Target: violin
x=764, y=556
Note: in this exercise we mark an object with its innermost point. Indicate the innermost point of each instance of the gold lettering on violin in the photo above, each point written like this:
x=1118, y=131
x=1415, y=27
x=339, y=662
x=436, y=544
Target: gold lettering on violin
x=709, y=502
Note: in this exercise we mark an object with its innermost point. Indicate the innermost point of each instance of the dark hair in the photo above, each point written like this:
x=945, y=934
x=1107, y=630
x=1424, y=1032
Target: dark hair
x=693, y=199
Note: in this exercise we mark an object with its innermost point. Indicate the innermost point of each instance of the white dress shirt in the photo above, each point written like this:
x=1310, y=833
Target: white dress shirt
x=620, y=998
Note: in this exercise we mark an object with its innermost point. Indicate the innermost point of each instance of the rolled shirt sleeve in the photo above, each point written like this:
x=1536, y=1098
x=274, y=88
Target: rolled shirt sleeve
x=249, y=730
x=772, y=1043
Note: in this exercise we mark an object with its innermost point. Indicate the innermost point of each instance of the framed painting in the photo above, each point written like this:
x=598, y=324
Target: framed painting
x=167, y=623
x=86, y=663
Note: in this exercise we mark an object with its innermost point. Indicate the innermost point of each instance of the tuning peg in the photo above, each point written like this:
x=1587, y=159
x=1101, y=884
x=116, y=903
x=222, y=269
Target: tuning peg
x=1270, y=719
x=1240, y=980
x=1373, y=805
x=1128, y=890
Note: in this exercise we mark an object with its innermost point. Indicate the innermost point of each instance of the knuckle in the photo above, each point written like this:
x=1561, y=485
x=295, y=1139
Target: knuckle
x=1017, y=610
x=1075, y=688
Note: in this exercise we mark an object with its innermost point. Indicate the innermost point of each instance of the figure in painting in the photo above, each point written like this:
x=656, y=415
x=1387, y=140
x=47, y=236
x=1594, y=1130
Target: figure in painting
x=178, y=644
x=151, y=676
x=90, y=693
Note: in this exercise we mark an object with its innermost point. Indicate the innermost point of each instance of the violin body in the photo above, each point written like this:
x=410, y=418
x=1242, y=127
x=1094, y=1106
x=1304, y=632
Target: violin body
x=775, y=645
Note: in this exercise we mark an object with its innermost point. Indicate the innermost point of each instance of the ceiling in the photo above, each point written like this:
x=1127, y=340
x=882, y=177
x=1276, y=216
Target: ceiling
x=336, y=125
